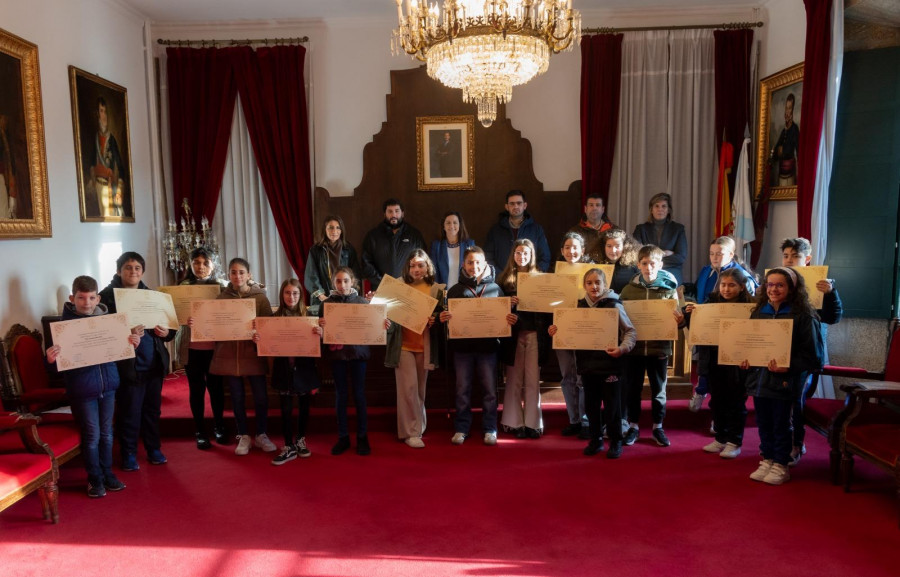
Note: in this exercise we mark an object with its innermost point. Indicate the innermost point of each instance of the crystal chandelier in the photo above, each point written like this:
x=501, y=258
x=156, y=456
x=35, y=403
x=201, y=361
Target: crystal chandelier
x=178, y=245
x=486, y=47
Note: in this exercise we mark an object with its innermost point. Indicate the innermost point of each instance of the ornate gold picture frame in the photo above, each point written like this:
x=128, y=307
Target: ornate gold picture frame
x=102, y=148
x=780, y=96
x=24, y=192
x=445, y=157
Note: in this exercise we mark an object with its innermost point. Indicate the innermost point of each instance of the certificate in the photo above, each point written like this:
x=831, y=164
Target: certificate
x=183, y=295
x=543, y=293
x=480, y=318
x=92, y=341
x=354, y=324
x=579, y=269
x=589, y=329
x=406, y=305
x=223, y=320
x=146, y=307
x=288, y=337
x=653, y=319
x=811, y=275
x=755, y=340
x=705, y=321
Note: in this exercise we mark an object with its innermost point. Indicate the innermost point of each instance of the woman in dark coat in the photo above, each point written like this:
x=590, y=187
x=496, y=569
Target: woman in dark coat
x=660, y=230
x=325, y=257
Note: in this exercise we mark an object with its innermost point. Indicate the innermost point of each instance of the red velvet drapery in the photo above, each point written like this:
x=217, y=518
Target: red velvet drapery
x=601, y=78
x=273, y=97
x=812, y=110
x=202, y=92
x=732, y=87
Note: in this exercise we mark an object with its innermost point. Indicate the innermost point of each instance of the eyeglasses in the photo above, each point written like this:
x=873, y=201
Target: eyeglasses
x=776, y=285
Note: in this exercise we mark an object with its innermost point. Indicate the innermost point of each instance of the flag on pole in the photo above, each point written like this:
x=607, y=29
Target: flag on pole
x=742, y=209
x=724, y=224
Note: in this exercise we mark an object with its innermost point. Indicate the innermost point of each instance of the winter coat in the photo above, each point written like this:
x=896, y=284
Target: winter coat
x=385, y=251
x=599, y=362
x=708, y=280
x=673, y=238
x=486, y=288
x=661, y=288
x=622, y=275
x=434, y=337
x=317, y=277
x=96, y=380
x=501, y=237
x=346, y=352
x=239, y=358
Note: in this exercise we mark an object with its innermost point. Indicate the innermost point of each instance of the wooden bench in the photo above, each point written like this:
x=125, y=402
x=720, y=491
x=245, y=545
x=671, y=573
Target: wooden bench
x=27, y=464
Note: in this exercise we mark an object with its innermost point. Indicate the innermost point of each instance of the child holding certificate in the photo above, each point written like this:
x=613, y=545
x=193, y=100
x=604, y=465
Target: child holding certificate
x=727, y=383
x=235, y=360
x=619, y=249
x=651, y=357
x=413, y=354
x=92, y=392
x=523, y=353
x=293, y=377
x=602, y=371
x=572, y=251
x=775, y=388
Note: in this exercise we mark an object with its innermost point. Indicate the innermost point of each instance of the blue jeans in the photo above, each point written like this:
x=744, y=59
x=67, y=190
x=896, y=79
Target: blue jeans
x=572, y=389
x=468, y=366
x=95, y=417
x=260, y=402
x=346, y=373
x=773, y=418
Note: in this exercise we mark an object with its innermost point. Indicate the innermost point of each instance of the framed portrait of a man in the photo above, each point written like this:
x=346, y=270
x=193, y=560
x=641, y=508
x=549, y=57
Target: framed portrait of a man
x=778, y=140
x=445, y=152
x=24, y=194
x=102, y=148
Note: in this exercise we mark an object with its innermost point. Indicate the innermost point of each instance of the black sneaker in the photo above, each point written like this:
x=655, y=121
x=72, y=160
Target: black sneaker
x=571, y=429
x=362, y=446
x=302, y=450
x=533, y=433
x=288, y=453
x=521, y=433
x=585, y=433
x=96, y=490
x=631, y=436
x=156, y=457
x=203, y=442
x=112, y=483
x=221, y=435
x=660, y=436
x=615, y=450
x=343, y=443
x=594, y=447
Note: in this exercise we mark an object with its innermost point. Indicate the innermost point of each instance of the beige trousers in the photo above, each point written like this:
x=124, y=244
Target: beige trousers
x=411, y=376
x=523, y=383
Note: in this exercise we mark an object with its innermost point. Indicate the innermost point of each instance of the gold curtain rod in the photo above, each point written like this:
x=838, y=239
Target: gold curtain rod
x=727, y=26
x=247, y=42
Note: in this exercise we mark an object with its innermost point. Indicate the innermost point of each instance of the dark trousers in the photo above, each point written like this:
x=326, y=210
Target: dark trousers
x=729, y=406
x=200, y=381
x=656, y=369
x=239, y=399
x=773, y=417
x=287, y=409
x=602, y=390
x=137, y=410
x=347, y=373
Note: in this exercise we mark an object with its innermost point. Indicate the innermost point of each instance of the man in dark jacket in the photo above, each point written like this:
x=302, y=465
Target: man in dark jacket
x=514, y=224
x=386, y=246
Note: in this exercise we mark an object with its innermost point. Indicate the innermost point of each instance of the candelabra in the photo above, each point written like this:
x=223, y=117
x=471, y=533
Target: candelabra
x=178, y=244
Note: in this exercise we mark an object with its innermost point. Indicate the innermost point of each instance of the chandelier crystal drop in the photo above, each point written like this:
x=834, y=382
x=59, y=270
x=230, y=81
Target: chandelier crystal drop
x=485, y=47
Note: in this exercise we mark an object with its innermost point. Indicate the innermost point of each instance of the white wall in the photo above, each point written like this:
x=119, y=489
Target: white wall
x=104, y=38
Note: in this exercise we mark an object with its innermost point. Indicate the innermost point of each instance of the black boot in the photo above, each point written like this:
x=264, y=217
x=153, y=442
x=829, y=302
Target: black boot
x=362, y=445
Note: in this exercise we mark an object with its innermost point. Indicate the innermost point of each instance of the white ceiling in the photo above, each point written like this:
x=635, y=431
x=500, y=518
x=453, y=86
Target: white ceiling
x=228, y=10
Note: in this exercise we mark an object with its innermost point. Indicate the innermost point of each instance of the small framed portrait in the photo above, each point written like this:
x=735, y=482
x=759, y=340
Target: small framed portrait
x=24, y=193
x=778, y=139
x=102, y=148
x=445, y=152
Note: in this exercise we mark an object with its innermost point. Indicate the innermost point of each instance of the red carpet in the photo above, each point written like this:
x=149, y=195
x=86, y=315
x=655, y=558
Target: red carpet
x=523, y=508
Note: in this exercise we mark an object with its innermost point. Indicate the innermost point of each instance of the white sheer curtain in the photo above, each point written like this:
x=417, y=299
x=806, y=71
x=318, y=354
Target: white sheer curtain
x=243, y=223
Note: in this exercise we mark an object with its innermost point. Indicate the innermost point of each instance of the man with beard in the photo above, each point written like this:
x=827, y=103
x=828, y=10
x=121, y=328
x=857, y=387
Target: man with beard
x=386, y=246
x=592, y=225
x=513, y=224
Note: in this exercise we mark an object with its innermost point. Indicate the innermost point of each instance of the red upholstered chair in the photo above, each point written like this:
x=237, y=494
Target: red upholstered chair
x=27, y=464
x=31, y=390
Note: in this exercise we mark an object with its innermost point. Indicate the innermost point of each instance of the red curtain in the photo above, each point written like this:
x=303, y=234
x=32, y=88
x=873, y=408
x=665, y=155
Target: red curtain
x=601, y=77
x=732, y=87
x=202, y=93
x=273, y=97
x=812, y=109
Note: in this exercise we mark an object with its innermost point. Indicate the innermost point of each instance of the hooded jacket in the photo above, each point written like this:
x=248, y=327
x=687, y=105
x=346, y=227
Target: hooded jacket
x=661, y=288
x=239, y=358
x=96, y=380
x=599, y=362
x=501, y=237
x=466, y=288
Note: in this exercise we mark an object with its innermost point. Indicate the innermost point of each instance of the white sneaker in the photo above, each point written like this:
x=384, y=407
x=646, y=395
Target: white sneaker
x=696, y=402
x=796, y=454
x=243, y=446
x=778, y=475
x=415, y=442
x=458, y=438
x=714, y=447
x=490, y=438
x=762, y=471
x=262, y=441
x=731, y=451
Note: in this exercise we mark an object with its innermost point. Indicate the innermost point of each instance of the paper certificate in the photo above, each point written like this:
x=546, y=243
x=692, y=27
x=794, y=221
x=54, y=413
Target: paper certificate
x=588, y=329
x=811, y=275
x=183, y=295
x=406, y=305
x=653, y=319
x=544, y=293
x=755, y=340
x=146, y=307
x=92, y=341
x=480, y=318
x=705, y=321
x=580, y=268
x=354, y=324
x=223, y=319
x=288, y=337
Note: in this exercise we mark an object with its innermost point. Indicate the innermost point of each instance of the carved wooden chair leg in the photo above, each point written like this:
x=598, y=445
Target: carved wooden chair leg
x=45, y=502
x=53, y=501
x=846, y=471
x=834, y=466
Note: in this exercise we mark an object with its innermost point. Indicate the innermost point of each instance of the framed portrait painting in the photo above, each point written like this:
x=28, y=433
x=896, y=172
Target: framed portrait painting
x=24, y=193
x=102, y=148
x=445, y=152
x=780, y=96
